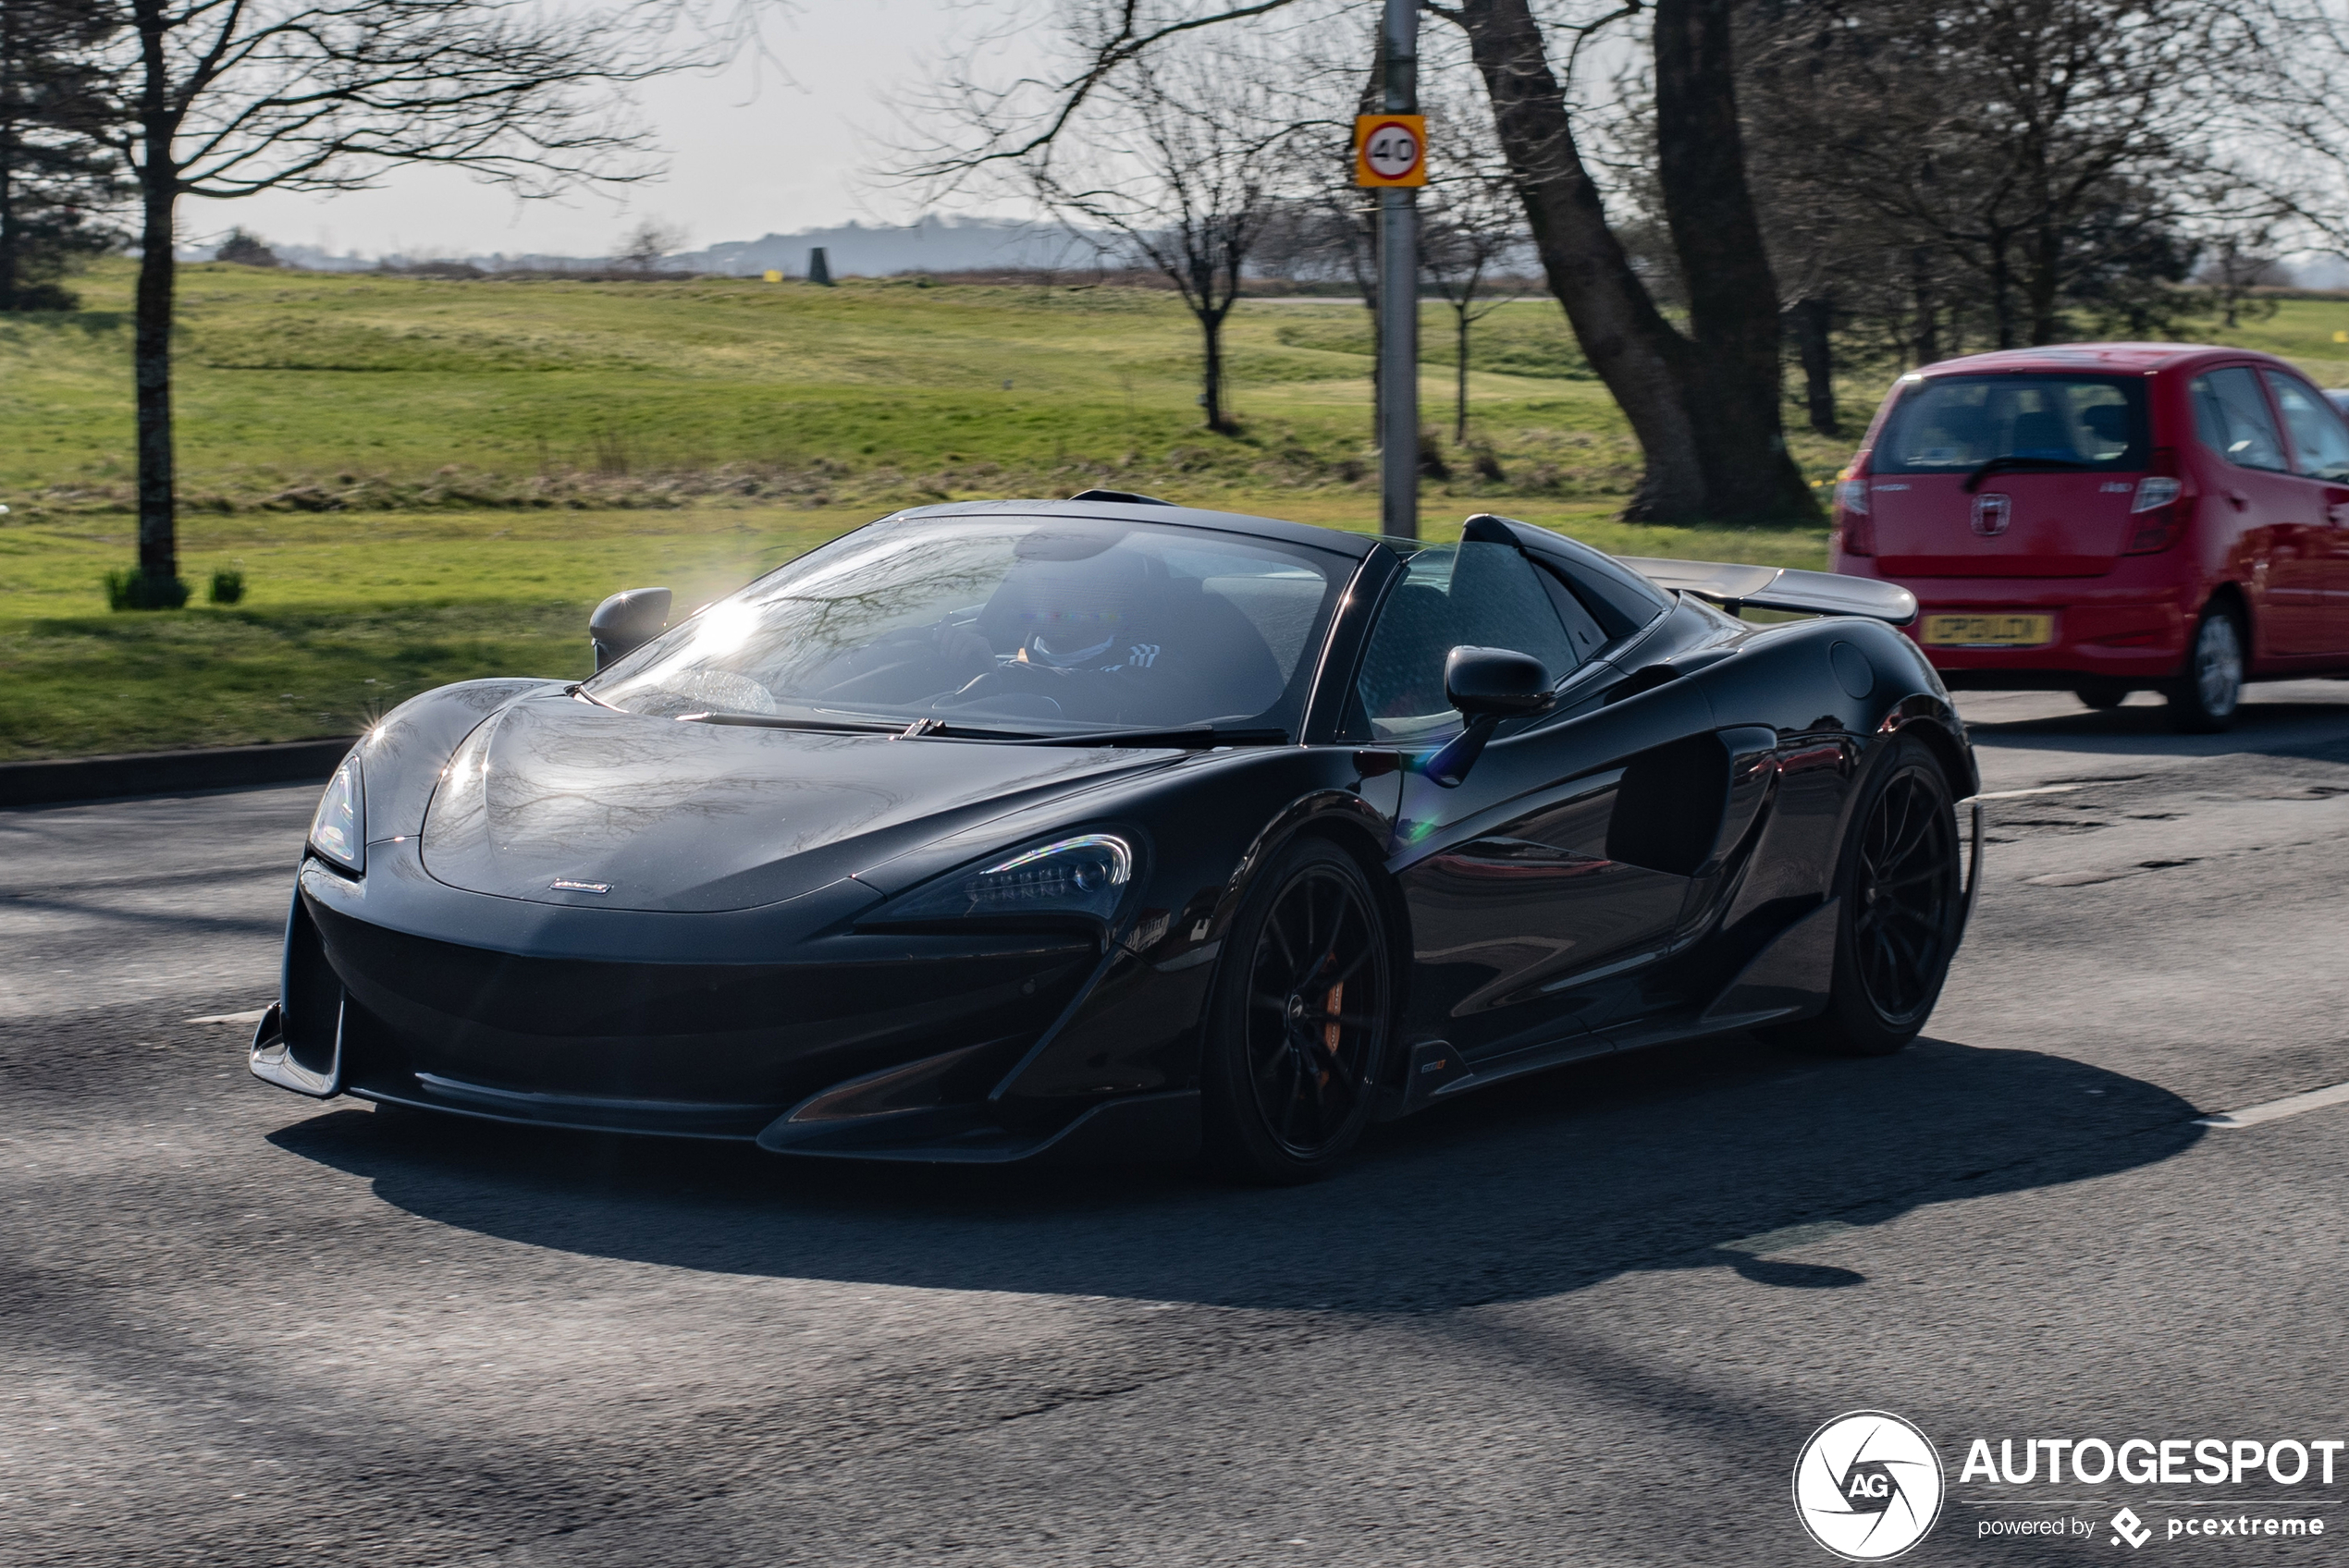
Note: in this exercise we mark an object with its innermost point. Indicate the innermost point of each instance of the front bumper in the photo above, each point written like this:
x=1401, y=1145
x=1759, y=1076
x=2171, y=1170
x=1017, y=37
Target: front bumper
x=782, y=1026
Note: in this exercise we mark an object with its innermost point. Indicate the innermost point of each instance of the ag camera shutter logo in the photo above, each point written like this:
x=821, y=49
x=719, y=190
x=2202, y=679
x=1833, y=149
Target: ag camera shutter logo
x=1867, y=1486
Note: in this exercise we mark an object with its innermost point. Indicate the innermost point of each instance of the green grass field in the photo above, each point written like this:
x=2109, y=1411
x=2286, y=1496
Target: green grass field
x=424, y=480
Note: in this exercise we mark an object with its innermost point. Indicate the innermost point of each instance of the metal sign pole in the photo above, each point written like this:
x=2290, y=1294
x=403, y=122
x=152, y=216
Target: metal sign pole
x=1398, y=297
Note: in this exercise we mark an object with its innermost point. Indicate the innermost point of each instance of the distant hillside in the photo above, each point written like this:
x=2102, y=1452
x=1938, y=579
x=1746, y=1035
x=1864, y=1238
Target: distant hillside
x=927, y=244
x=930, y=243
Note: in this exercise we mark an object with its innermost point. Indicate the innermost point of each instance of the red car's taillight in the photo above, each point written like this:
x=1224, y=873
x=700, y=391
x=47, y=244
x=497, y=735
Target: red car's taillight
x=1854, y=530
x=2161, y=510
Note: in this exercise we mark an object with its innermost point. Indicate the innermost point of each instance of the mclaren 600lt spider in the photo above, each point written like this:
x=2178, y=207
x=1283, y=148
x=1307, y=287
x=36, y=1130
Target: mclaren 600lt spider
x=1106, y=827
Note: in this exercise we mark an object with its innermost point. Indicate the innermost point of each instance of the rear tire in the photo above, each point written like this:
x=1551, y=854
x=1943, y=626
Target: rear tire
x=1900, y=892
x=2101, y=695
x=2203, y=700
x=1299, y=1021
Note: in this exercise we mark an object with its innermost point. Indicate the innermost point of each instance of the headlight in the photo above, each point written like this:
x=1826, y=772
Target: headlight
x=339, y=829
x=1086, y=875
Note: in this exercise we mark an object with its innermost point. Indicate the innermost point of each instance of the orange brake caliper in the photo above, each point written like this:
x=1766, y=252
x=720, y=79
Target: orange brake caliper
x=1336, y=1000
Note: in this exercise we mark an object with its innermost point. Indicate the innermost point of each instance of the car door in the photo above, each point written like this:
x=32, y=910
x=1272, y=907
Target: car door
x=2232, y=419
x=1510, y=882
x=2321, y=469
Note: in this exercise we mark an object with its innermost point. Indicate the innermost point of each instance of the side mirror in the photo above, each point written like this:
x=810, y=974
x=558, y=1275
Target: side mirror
x=625, y=622
x=1488, y=685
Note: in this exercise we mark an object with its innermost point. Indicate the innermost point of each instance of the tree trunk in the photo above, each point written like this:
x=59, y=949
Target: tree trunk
x=11, y=265
x=151, y=350
x=1459, y=396
x=1211, y=335
x=151, y=359
x=1814, y=319
x=1929, y=336
x=2001, y=291
x=1706, y=414
x=1633, y=349
x=1734, y=389
x=2040, y=288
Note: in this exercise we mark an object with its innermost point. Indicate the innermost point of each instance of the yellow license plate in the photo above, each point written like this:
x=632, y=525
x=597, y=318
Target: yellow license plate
x=1988, y=631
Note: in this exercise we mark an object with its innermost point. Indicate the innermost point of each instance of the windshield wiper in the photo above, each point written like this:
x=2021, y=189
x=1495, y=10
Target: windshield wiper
x=918, y=729
x=1191, y=735
x=778, y=721
x=1187, y=736
x=1999, y=464
x=579, y=689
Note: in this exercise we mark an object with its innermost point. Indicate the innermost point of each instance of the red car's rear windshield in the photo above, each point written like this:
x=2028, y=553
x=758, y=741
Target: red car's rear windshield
x=1948, y=423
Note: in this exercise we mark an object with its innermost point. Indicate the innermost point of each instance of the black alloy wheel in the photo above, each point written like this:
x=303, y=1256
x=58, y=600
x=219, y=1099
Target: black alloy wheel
x=1903, y=894
x=1300, y=1021
x=1901, y=888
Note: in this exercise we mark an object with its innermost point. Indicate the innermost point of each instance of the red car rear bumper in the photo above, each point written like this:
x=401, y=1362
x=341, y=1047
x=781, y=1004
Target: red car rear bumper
x=2121, y=625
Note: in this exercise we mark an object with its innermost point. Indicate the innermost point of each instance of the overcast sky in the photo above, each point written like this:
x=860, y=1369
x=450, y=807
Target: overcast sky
x=749, y=154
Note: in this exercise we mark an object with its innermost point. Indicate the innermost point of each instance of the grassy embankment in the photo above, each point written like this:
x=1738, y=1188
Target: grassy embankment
x=424, y=480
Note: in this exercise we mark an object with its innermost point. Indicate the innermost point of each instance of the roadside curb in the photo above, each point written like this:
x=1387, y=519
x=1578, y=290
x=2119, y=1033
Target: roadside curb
x=57, y=779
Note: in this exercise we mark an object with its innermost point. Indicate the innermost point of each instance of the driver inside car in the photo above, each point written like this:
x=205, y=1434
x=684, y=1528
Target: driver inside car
x=1088, y=634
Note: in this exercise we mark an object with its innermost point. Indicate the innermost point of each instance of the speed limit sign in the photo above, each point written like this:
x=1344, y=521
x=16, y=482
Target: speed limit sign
x=1390, y=150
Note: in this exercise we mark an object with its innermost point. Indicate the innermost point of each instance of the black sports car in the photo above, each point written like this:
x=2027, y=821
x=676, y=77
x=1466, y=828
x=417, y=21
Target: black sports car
x=1110, y=828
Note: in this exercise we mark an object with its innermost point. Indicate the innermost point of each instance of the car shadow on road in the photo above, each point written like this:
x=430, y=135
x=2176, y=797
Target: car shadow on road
x=2270, y=728
x=1717, y=1154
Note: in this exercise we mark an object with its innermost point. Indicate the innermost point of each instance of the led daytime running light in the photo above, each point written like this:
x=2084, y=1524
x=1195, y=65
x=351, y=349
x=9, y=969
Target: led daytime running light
x=1084, y=875
x=1115, y=874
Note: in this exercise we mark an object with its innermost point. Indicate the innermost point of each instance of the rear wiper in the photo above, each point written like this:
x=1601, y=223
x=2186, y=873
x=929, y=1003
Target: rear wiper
x=1190, y=735
x=1999, y=464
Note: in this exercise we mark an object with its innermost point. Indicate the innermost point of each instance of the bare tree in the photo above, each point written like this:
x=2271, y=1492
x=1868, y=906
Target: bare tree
x=2053, y=164
x=1703, y=404
x=231, y=98
x=643, y=247
x=1329, y=235
x=1182, y=156
x=1472, y=225
x=2240, y=262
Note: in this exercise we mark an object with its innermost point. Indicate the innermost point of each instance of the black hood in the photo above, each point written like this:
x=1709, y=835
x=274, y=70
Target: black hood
x=671, y=815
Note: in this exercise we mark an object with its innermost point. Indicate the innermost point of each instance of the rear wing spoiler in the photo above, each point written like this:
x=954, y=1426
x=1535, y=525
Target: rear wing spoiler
x=1733, y=587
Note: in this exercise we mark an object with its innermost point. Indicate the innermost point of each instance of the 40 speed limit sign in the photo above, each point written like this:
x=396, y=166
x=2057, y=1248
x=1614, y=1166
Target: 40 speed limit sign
x=1390, y=150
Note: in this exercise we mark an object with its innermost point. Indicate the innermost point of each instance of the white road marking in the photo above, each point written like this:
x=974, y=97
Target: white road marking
x=2276, y=1110
x=252, y=1017
x=2041, y=790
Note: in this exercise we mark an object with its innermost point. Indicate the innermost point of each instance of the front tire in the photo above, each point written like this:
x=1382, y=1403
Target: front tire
x=1900, y=890
x=1298, y=1025
x=2204, y=700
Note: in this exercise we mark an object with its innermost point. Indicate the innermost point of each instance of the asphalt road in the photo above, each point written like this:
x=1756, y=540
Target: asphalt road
x=1586, y=1319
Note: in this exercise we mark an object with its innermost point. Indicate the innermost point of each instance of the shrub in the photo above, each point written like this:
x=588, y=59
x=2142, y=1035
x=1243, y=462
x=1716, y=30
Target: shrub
x=1431, y=463
x=227, y=587
x=246, y=250
x=136, y=590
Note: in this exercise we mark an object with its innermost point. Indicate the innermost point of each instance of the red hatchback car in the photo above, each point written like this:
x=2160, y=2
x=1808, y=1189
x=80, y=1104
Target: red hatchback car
x=2107, y=518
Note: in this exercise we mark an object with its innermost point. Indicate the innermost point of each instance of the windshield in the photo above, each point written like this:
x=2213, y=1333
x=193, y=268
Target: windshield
x=1947, y=423
x=1029, y=625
